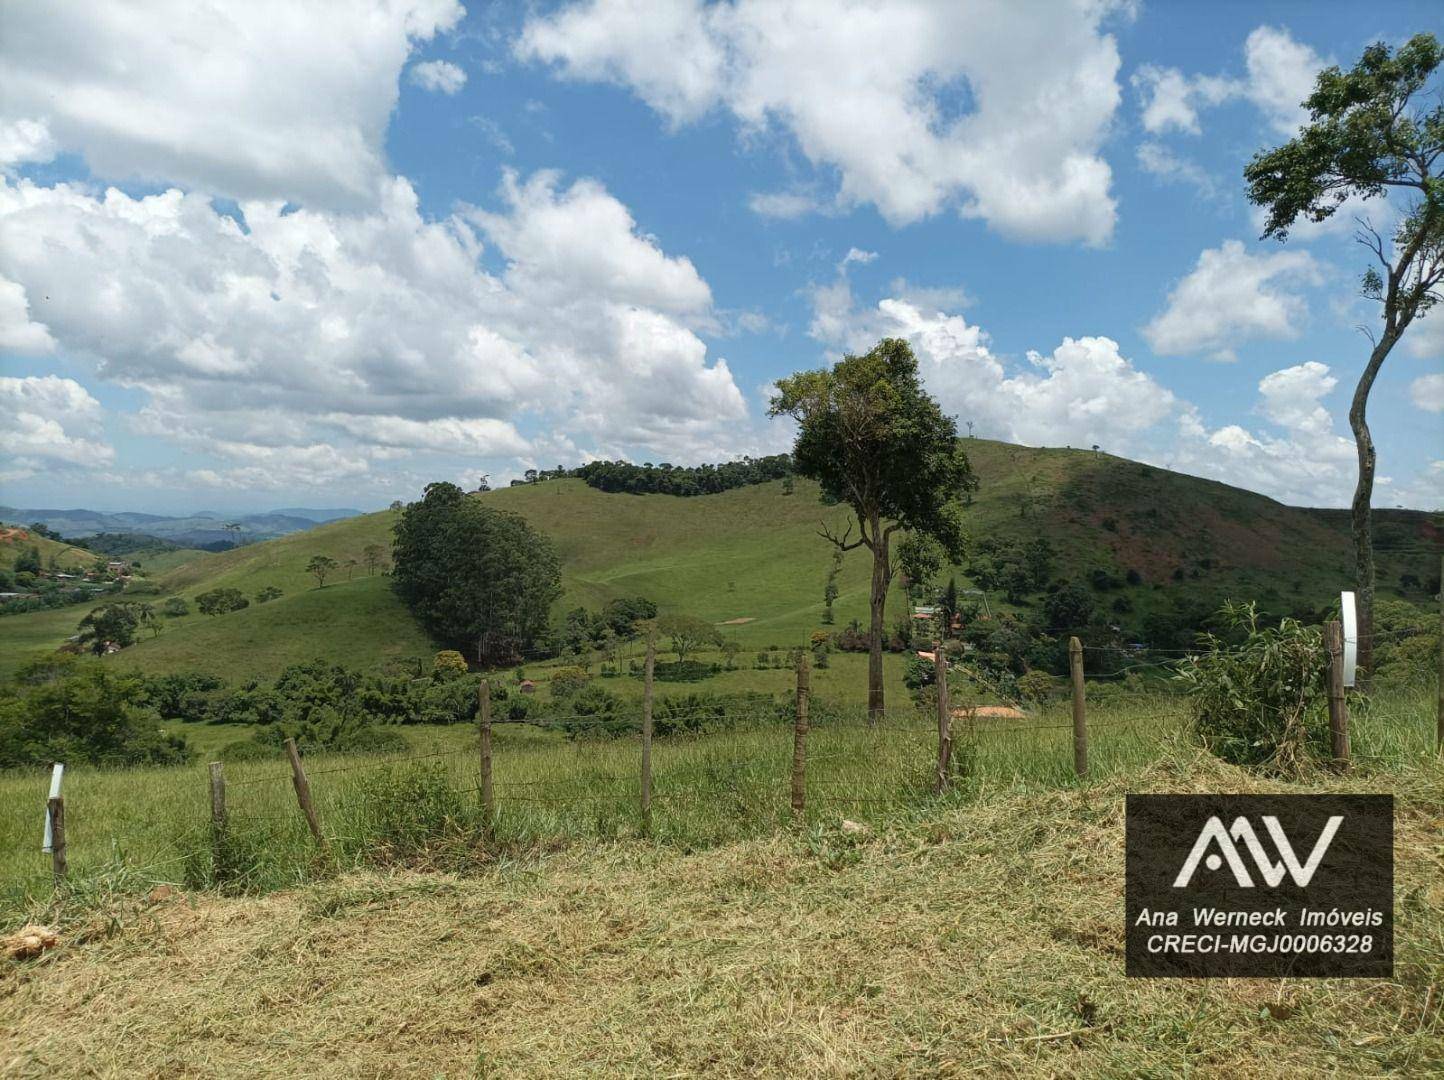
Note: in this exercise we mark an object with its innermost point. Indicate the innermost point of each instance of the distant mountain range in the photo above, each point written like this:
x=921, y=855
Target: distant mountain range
x=206, y=529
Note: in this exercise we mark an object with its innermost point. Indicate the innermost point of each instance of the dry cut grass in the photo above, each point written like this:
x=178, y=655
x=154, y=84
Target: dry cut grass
x=982, y=938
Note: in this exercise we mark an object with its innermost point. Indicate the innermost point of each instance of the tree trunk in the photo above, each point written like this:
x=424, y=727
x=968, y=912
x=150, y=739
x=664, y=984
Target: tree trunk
x=1361, y=518
x=881, y=579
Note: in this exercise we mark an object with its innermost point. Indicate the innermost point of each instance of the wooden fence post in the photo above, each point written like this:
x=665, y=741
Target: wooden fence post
x=57, y=838
x=1080, y=707
x=218, y=798
x=799, y=737
x=488, y=796
x=303, y=791
x=1439, y=718
x=945, y=716
x=1338, y=705
x=651, y=663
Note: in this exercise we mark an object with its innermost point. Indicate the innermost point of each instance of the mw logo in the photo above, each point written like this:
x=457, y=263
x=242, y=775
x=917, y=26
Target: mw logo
x=1272, y=872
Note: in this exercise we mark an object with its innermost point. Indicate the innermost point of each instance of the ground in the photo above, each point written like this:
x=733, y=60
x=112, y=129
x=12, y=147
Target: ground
x=978, y=937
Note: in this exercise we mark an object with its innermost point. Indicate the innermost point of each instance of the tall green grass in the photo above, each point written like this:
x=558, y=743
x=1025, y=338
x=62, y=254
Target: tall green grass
x=424, y=808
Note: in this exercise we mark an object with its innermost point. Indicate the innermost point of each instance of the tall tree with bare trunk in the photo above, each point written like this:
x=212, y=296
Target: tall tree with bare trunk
x=875, y=440
x=1376, y=128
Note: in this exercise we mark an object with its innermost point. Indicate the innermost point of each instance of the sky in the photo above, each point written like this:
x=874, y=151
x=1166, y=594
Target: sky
x=270, y=254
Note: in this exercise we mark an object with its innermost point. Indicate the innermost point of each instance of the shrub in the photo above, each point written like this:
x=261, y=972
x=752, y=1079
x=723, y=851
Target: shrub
x=448, y=662
x=1037, y=686
x=174, y=607
x=684, y=671
x=81, y=714
x=568, y=681
x=269, y=593
x=1260, y=702
x=221, y=601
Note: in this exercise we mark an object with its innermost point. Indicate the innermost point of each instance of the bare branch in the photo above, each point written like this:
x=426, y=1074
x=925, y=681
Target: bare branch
x=841, y=542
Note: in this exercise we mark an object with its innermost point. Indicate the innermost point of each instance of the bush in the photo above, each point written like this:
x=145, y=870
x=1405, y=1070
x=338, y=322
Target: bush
x=221, y=601
x=269, y=593
x=174, y=607
x=568, y=681
x=1261, y=702
x=448, y=662
x=81, y=715
x=684, y=671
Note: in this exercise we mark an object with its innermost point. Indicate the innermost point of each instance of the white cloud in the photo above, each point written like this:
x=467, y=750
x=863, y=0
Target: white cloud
x=1084, y=392
x=438, y=76
x=50, y=423
x=377, y=333
x=1427, y=392
x=1306, y=462
x=24, y=141
x=17, y=332
x=1232, y=296
x=265, y=99
x=1280, y=74
x=784, y=205
x=1158, y=160
x=1425, y=336
x=918, y=106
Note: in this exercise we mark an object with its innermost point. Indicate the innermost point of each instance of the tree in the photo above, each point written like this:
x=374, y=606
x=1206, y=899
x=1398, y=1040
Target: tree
x=269, y=593
x=1368, y=132
x=114, y=624
x=875, y=441
x=474, y=575
x=830, y=590
x=221, y=601
x=374, y=555
x=688, y=633
x=28, y=561
x=320, y=567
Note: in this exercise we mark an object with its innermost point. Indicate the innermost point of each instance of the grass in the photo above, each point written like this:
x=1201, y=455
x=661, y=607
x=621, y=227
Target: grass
x=976, y=934
x=753, y=553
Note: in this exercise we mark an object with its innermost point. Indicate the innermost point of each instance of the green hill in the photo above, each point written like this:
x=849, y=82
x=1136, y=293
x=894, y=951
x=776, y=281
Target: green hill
x=751, y=558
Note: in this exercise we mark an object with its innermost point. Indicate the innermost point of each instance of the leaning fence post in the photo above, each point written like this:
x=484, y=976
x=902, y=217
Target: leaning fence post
x=799, y=737
x=945, y=716
x=488, y=796
x=647, y=735
x=303, y=791
x=57, y=838
x=1080, y=707
x=219, y=867
x=1338, y=705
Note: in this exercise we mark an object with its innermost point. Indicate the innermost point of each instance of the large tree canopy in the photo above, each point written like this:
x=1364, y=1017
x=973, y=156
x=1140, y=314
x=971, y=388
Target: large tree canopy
x=477, y=578
x=876, y=441
x=1375, y=128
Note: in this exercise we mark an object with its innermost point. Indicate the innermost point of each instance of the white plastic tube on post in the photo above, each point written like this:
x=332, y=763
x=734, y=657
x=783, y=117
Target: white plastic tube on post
x=56, y=772
x=1350, y=619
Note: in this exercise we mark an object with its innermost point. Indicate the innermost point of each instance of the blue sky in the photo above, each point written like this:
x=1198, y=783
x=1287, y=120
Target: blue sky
x=260, y=255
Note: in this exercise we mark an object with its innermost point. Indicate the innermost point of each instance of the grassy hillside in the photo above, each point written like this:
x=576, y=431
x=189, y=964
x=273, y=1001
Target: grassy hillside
x=14, y=540
x=751, y=558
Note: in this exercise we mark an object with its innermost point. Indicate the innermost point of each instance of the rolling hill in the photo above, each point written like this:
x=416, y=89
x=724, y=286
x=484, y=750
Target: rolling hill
x=750, y=558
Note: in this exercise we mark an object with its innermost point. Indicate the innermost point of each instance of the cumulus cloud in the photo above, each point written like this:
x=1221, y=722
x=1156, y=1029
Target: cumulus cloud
x=23, y=142
x=1081, y=393
x=1232, y=296
x=1427, y=392
x=375, y=333
x=17, y=332
x=438, y=76
x=1305, y=462
x=917, y=106
x=266, y=99
x=1279, y=75
x=50, y=423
